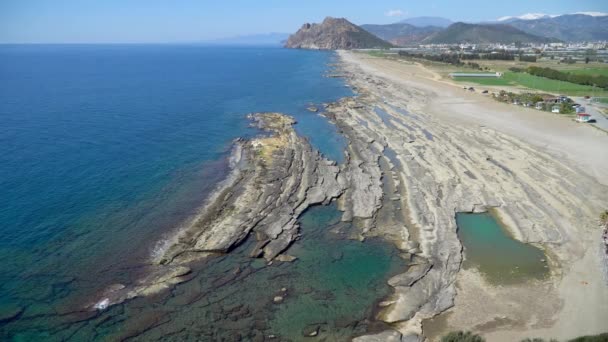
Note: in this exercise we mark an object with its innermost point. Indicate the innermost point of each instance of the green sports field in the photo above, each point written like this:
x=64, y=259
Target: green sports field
x=535, y=82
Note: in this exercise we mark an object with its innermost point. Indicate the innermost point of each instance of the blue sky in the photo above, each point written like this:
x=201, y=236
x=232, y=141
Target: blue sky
x=123, y=21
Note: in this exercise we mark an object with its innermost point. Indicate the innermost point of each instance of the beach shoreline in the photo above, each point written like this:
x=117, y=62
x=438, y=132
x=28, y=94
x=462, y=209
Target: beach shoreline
x=539, y=166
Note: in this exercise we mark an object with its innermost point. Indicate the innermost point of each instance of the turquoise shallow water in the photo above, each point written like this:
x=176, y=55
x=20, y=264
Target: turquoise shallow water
x=499, y=257
x=104, y=148
x=331, y=288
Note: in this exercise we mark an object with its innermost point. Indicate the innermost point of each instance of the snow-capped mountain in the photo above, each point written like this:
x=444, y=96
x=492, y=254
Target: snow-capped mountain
x=535, y=16
x=527, y=16
x=593, y=14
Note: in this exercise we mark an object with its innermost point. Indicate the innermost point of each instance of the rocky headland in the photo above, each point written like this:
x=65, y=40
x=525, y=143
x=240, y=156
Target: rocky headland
x=333, y=34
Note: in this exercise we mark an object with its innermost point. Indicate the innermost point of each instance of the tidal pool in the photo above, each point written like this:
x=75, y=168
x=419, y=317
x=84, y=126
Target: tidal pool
x=331, y=290
x=500, y=258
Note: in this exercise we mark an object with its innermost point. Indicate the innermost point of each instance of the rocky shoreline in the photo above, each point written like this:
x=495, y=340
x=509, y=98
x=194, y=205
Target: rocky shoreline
x=277, y=178
x=442, y=168
x=604, y=251
x=404, y=178
x=274, y=179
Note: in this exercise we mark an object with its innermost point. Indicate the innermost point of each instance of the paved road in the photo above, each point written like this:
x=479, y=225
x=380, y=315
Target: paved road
x=594, y=110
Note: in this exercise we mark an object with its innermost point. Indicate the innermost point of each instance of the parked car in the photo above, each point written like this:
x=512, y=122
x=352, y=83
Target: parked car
x=484, y=92
x=471, y=89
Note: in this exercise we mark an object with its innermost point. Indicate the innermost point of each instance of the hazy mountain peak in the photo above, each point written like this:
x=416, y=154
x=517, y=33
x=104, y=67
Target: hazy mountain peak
x=483, y=34
x=427, y=21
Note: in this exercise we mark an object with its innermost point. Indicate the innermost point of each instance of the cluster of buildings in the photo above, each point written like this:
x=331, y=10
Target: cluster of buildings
x=556, y=104
x=557, y=50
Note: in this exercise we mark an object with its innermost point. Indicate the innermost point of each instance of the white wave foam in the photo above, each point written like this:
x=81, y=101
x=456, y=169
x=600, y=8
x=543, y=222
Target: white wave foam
x=102, y=304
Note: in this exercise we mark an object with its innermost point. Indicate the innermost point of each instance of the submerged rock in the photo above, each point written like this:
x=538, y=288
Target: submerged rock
x=286, y=258
x=158, y=280
x=10, y=312
x=385, y=336
x=311, y=330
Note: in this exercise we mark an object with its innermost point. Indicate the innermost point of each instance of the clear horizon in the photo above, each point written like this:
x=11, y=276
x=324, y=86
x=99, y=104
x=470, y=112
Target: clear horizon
x=190, y=21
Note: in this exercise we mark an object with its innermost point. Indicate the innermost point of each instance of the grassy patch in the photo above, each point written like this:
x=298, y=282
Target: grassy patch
x=589, y=71
x=545, y=84
x=376, y=53
x=535, y=82
x=601, y=99
x=490, y=81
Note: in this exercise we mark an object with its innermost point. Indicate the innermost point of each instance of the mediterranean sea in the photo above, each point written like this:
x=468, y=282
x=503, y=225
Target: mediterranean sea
x=105, y=148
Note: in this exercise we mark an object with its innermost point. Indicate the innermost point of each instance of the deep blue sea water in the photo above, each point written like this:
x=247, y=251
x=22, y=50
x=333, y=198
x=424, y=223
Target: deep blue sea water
x=103, y=148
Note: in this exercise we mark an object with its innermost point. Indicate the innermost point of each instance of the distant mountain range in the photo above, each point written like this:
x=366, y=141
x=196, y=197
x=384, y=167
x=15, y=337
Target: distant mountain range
x=401, y=33
x=333, y=34
x=528, y=28
x=569, y=27
x=483, y=34
x=534, y=16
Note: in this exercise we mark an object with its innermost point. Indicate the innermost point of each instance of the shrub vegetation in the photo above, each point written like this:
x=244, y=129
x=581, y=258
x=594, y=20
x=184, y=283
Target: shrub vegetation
x=461, y=336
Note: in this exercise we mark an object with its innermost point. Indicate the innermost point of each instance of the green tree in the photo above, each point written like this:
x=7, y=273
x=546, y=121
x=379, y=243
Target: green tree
x=597, y=338
x=591, y=54
x=566, y=108
x=604, y=218
x=460, y=336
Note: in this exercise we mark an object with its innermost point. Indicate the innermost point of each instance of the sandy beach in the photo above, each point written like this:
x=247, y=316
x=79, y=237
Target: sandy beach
x=461, y=151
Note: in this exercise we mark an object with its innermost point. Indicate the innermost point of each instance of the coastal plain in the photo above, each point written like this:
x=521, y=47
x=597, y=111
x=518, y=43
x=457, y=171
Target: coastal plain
x=458, y=152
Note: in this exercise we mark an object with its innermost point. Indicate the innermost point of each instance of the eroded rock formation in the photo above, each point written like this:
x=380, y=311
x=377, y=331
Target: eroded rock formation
x=334, y=34
x=274, y=179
